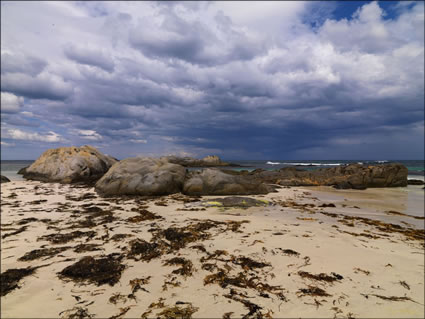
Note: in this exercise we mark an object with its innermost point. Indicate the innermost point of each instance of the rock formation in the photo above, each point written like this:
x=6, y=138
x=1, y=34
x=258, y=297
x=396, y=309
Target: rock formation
x=208, y=161
x=69, y=165
x=215, y=182
x=142, y=176
x=355, y=176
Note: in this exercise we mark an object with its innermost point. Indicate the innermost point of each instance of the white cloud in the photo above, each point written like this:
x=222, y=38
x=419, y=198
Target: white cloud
x=10, y=103
x=7, y=144
x=138, y=141
x=88, y=135
x=17, y=134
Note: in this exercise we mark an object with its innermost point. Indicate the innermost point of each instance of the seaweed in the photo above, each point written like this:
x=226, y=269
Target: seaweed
x=173, y=282
x=404, y=284
x=136, y=284
x=289, y=252
x=254, y=309
x=321, y=277
x=119, y=237
x=64, y=238
x=313, y=291
x=143, y=250
x=76, y=313
x=45, y=252
x=26, y=221
x=18, y=231
x=393, y=298
x=116, y=298
x=86, y=247
x=366, y=272
x=186, y=268
x=248, y=264
x=143, y=215
x=123, y=311
x=178, y=312
x=327, y=205
x=105, y=270
x=11, y=277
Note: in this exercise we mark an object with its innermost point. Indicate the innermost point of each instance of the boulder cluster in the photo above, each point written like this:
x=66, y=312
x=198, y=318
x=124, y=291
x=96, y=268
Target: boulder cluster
x=167, y=175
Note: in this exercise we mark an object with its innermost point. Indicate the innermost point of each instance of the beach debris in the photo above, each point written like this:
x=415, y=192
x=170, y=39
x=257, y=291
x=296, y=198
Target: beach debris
x=227, y=315
x=44, y=252
x=173, y=282
x=11, y=277
x=186, y=268
x=122, y=312
x=391, y=298
x=254, y=309
x=82, y=248
x=144, y=214
x=248, y=264
x=104, y=270
x=327, y=205
x=321, y=277
x=76, y=313
x=313, y=291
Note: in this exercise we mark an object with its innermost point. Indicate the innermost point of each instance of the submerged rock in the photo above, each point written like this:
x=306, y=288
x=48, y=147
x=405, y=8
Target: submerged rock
x=215, y=182
x=69, y=165
x=4, y=179
x=235, y=201
x=415, y=182
x=142, y=176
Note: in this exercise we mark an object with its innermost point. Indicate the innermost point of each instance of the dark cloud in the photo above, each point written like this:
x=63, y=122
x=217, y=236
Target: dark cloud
x=196, y=78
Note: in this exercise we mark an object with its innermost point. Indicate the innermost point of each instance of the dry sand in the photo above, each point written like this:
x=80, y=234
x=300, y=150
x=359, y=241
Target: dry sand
x=370, y=270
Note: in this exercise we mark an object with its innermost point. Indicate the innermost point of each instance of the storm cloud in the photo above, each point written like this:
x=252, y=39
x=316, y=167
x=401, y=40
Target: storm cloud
x=245, y=80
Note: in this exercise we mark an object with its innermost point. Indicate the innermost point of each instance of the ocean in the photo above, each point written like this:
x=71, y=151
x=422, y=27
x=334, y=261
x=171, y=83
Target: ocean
x=9, y=168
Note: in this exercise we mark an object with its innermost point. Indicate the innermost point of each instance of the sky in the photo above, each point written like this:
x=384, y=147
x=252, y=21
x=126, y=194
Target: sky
x=241, y=80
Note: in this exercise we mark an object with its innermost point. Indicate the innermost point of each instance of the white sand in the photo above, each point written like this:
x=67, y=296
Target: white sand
x=390, y=260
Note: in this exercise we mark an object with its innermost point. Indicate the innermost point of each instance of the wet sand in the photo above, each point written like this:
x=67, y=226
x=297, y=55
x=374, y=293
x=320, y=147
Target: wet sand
x=297, y=256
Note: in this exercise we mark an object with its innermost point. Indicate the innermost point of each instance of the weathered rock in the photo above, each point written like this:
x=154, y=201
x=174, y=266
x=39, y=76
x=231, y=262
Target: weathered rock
x=142, y=176
x=215, y=182
x=4, y=179
x=69, y=165
x=354, y=176
x=415, y=182
x=208, y=161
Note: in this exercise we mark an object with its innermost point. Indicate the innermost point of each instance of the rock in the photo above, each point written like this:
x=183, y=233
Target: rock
x=142, y=176
x=4, y=179
x=83, y=164
x=355, y=176
x=212, y=181
x=22, y=171
x=208, y=161
x=415, y=182
x=212, y=160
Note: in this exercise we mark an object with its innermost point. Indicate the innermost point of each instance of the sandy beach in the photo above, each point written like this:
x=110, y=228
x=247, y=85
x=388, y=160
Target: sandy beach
x=310, y=252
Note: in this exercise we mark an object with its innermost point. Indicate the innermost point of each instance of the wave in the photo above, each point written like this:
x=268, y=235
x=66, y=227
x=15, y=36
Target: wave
x=273, y=163
x=380, y=162
x=313, y=164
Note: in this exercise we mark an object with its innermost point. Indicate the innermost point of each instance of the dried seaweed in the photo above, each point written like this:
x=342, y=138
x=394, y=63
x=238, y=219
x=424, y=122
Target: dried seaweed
x=18, y=231
x=136, y=285
x=45, y=252
x=404, y=284
x=289, y=252
x=248, y=263
x=313, y=291
x=11, y=277
x=105, y=270
x=366, y=272
x=76, y=313
x=321, y=277
x=143, y=250
x=178, y=312
x=186, y=268
x=64, y=238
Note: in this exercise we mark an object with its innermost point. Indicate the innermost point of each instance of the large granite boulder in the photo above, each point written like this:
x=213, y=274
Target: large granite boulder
x=356, y=176
x=142, y=176
x=4, y=179
x=70, y=165
x=212, y=181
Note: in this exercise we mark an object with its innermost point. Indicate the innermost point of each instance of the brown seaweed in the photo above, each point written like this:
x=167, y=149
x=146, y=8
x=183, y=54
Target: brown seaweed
x=178, y=312
x=321, y=277
x=186, y=268
x=313, y=291
x=104, y=270
x=143, y=250
x=45, y=252
x=64, y=238
x=11, y=277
